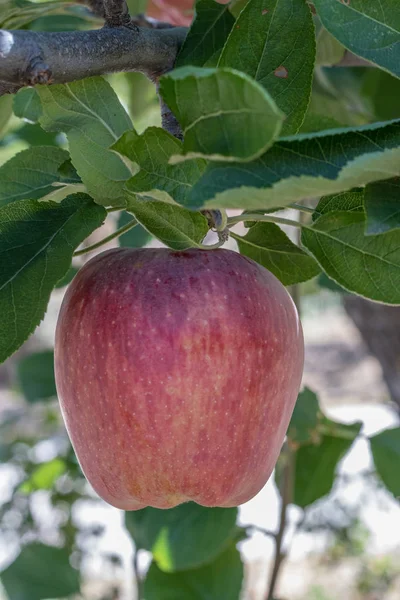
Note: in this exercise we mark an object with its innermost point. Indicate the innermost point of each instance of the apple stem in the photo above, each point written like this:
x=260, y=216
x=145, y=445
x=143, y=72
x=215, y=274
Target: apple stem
x=107, y=239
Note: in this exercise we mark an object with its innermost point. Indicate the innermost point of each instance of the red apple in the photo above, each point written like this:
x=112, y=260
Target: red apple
x=177, y=373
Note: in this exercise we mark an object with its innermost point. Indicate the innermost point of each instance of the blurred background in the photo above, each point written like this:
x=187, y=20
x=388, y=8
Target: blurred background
x=344, y=545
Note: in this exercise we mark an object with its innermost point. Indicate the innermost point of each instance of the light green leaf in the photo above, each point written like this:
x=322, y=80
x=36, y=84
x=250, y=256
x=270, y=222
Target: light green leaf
x=31, y=173
x=28, y=577
x=137, y=237
x=310, y=165
x=268, y=245
x=6, y=110
x=351, y=201
x=273, y=41
x=27, y=104
x=90, y=114
x=329, y=50
x=385, y=447
x=306, y=416
x=151, y=152
x=175, y=226
x=184, y=537
x=44, y=476
x=315, y=465
x=221, y=579
x=37, y=240
x=382, y=205
x=366, y=265
x=17, y=13
x=207, y=34
x=35, y=375
x=368, y=28
x=232, y=117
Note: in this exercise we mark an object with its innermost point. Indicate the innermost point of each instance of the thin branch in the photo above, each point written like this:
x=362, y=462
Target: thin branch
x=31, y=57
x=107, y=239
x=116, y=14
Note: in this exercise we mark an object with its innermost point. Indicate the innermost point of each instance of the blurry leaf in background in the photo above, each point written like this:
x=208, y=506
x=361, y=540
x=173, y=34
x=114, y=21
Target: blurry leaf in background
x=6, y=110
x=134, y=238
x=27, y=104
x=315, y=464
x=233, y=119
x=382, y=205
x=137, y=7
x=385, y=447
x=383, y=92
x=305, y=418
x=268, y=245
x=70, y=274
x=37, y=240
x=34, y=135
x=207, y=34
x=35, y=375
x=329, y=50
x=14, y=15
x=366, y=27
x=31, y=173
x=40, y=572
x=44, y=476
x=183, y=537
x=221, y=579
x=325, y=282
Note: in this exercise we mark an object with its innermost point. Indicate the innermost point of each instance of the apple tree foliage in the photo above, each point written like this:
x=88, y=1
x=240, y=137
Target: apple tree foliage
x=282, y=105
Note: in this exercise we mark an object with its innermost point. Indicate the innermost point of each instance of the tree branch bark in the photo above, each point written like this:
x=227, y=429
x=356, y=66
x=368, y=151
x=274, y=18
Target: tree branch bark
x=30, y=57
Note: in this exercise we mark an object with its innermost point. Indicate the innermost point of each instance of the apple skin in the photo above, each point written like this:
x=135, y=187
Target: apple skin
x=177, y=374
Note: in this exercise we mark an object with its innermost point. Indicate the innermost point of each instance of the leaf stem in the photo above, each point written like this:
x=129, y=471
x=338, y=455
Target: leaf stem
x=301, y=208
x=110, y=237
x=256, y=217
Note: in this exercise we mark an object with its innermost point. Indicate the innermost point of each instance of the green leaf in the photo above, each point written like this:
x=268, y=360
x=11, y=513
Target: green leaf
x=66, y=280
x=268, y=245
x=329, y=50
x=273, y=41
x=315, y=465
x=367, y=266
x=309, y=165
x=385, y=447
x=184, y=537
x=351, y=201
x=44, y=476
x=6, y=110
x=90, y=114
x=382, y=205
x=220, y=579
x=17, y=13
x=325, y=282
x=306, y=416
x=207, y=34
x=134, y=238
x=383, y=91
x=232, y=117
x=31, y=173
x=368, y=28
x=40, y=572
x=175, y=226
x=27, y=104
x=35, y=374
x=151, y=152
x=37, y=240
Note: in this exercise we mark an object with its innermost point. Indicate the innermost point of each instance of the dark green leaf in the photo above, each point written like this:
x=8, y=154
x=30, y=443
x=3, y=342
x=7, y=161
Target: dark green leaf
x=325, y=282
x=175, y=226
x=184, y=537
x=27, y=104
x=303, y=426
x=310, y=165
x=382, y=205
x=66, y=280
x=268, y=245
x=35, y=135
x=90, y=114
x=37, y=240
x=31, y=173
x=366, y=265
x=164, y=182
x=207, y=34
x=44, y=476
x=273, y=41
x=368, y=28
x=385, y=447
x=36, y=376
x=232, y=117
x=315, y=465
x=39, y=573
x=351, y=201
x=221, y=579
x=134, y=238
